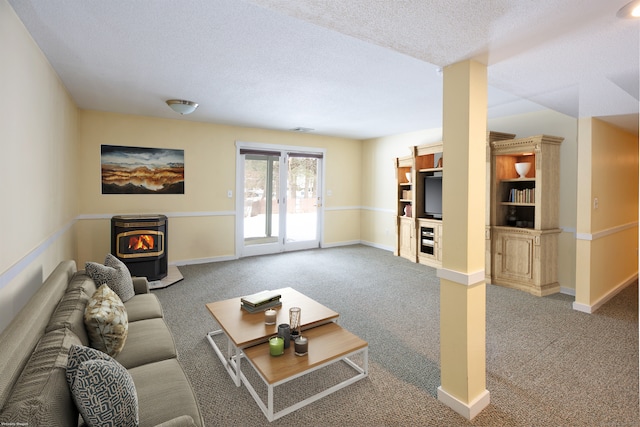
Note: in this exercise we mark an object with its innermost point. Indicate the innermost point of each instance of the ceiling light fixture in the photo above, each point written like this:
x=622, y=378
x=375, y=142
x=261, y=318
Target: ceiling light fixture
x=630, y=11
x=181, y=106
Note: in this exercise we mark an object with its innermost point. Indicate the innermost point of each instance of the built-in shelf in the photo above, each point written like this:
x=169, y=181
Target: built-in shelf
x=419, y=235
x=430, y=170
x=524, y=230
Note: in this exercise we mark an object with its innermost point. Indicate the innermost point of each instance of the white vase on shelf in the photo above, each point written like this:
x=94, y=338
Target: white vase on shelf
x=523, y=169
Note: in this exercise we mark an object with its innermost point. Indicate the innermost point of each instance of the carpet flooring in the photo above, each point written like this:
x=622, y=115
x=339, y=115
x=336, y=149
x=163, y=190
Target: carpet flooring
x=547, y=364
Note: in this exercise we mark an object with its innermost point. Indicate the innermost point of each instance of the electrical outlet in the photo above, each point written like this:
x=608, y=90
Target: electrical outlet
x=229, y=194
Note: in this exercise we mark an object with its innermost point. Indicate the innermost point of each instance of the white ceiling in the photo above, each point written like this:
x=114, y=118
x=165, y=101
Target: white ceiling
x=357, y=68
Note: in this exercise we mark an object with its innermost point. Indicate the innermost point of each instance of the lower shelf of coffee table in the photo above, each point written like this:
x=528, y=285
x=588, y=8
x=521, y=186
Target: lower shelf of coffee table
x=328, y=344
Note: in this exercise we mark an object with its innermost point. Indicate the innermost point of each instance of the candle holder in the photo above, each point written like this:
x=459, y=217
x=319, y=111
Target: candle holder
x=276, y=346
x=294, y=322
x=301, y=345
x=270, y=317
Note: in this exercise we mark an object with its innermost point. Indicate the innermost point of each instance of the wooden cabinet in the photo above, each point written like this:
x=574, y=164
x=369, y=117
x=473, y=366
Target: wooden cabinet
x=526, y=259
x=430, y=242
x=491, y=137
x=407, y=238
x=524, y=220
x=419, y=204
x=405, y=226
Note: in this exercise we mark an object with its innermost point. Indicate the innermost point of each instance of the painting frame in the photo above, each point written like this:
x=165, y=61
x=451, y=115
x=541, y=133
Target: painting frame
x=141, y=170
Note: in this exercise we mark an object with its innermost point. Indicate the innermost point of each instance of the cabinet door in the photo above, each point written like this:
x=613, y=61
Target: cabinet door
x=514, y=256
x=407, y=232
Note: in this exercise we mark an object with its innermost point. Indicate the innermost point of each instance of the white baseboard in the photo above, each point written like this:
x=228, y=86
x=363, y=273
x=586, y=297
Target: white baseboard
x=585, y=308
x=203, y=260
x=377, y=246
x=467, y=410
x=232, y=257
x=582, y=307
x=338, y=244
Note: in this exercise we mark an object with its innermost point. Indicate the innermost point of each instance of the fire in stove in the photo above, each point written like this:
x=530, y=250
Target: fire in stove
x=142, y=242
x=139, y=244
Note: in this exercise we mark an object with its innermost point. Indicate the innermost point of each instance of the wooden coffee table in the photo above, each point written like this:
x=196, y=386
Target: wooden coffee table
x=328, y=344
x=247, y=337
x=243, y=329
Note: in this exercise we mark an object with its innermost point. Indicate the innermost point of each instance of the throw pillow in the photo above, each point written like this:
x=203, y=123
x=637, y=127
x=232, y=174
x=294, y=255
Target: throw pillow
x=102, y=389
x=105, y=318
x=115, y=274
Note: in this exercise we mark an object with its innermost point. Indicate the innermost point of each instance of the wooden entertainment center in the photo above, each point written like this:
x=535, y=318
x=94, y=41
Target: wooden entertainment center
x=522, y=225
x=419, y=228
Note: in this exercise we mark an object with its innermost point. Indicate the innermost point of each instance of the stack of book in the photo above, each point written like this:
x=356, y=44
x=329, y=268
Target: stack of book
x=528, y=195
x=261, y=301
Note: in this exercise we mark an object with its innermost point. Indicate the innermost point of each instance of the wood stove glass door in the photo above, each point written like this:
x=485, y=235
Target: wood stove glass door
x=280, y=201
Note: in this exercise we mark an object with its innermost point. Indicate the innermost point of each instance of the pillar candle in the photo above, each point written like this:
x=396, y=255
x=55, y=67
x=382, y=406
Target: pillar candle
x=285, y=333
x=276, y=346
x=301, y=346
x=270, y=317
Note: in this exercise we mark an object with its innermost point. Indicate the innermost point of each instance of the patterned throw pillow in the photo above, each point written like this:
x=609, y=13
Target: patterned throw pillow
x=105, y=318
x=115, y=274
x=102, y=389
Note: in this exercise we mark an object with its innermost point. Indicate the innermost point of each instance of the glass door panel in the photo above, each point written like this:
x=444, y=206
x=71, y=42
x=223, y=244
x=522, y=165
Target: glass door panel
x=261, y=194
x=302, y=201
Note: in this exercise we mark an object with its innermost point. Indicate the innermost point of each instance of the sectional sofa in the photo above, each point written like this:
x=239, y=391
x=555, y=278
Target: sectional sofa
x=35, y=389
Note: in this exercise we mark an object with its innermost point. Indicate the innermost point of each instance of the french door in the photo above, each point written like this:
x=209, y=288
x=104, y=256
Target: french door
x=279, y=202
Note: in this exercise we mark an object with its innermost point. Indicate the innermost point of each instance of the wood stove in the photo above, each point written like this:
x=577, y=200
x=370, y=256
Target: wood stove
x=140, y=242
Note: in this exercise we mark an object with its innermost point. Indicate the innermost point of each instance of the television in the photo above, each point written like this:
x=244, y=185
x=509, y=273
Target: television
x=433, y=196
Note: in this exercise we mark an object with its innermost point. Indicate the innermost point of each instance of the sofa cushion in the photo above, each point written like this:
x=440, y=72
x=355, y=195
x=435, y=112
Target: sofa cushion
x=81, y=280
x=20, y=337
x=164, y=393
x=143, y=306
x=70, y=314
x=115, y=274
x=102, y=388
x=105, y=318
x=181, y=421
x=148, y=341
x=41, y=396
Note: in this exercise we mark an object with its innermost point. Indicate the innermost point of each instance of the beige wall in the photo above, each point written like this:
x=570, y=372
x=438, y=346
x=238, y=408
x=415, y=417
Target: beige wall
x=607, y=234
x=38, y=133
x=202, y=221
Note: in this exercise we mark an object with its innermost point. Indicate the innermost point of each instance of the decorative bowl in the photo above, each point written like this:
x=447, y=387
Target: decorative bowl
x=523, y=169
x=408, y=175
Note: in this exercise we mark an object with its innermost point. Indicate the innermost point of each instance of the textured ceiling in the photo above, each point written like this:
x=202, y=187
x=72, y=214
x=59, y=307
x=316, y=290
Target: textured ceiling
x=357, y=68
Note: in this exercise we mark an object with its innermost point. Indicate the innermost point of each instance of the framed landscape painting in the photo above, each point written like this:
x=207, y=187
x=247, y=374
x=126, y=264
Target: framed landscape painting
x=140, y=170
